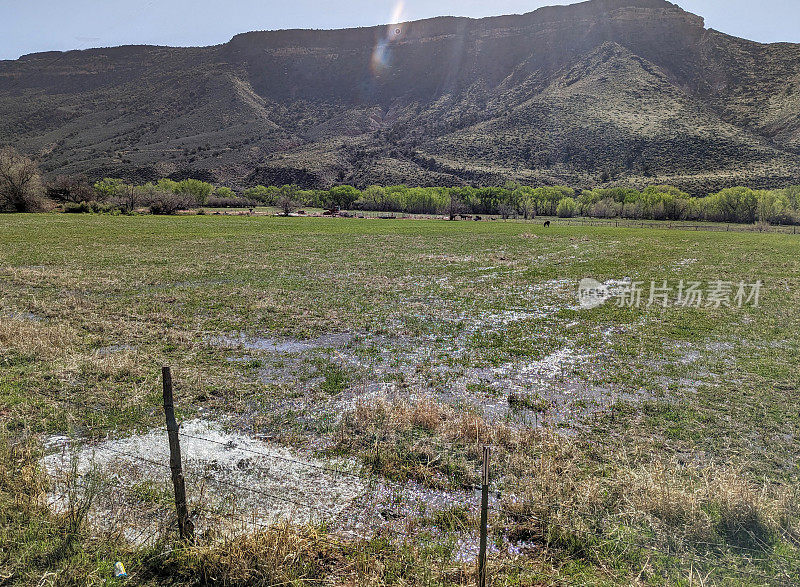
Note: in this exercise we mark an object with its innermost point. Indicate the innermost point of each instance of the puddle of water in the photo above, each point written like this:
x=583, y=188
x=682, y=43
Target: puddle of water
x=550, y=390
x=242, y=478
x=442, y=364
x=105, y=351
x=30, y=316
x=556, y=364
x=286, y=346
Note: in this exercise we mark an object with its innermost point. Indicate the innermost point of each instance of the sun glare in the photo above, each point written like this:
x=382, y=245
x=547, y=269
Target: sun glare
x=381, y=55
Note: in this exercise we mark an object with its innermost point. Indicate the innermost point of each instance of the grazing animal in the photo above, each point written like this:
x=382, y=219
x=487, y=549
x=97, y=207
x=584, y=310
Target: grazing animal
x=478, y=219
x=547, y=224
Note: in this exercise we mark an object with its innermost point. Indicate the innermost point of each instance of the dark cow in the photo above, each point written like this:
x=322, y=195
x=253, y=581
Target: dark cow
x=547, y=224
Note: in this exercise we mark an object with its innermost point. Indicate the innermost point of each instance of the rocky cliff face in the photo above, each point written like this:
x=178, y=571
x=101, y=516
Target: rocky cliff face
x=619, y=90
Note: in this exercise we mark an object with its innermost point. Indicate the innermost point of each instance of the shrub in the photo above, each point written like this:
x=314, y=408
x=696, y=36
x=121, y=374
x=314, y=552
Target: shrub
x=90, y=207
x=165, y=203
x=77, y=208
x=128, y=200
x=20, y=183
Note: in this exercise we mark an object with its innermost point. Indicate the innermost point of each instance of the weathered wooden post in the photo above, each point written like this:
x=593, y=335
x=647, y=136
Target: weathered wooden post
x=185, y=526
x=484, y=518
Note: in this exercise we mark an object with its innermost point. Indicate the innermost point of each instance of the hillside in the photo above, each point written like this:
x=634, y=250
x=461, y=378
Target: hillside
x=606, y=91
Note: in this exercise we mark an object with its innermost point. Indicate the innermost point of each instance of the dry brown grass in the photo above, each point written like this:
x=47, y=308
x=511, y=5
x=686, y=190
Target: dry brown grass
x=293, y=555
x=567, y=490
x=563, y=491
x=37, y=339
x=277, y=556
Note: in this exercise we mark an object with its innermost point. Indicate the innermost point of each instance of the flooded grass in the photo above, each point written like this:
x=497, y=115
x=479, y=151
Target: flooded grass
x=238, y=483
x=396, y=352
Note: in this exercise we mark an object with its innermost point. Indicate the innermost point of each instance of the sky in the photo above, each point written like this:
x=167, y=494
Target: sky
x=28, y=26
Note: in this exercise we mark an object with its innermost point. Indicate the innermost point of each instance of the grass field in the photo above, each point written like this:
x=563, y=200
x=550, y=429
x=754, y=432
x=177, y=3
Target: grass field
x=629, y=445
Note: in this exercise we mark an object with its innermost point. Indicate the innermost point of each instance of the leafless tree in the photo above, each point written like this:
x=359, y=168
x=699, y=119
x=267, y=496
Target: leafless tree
x=20, y=182
x=506, y=211
x=128, y=199
x=455, y=207
x=287, y=200
x=66, y=188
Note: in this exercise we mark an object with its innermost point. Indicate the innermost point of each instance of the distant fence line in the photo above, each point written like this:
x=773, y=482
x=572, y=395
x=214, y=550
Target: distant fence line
x=584, y=221
x=672, y=225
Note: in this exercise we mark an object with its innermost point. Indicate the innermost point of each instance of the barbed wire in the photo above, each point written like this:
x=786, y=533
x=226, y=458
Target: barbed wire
x=511, y=514
x=277, y=457
x=500, y=511
x=117, y=485
x=516, y=515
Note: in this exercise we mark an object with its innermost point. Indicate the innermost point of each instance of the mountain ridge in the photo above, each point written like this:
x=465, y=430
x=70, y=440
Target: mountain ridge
x=425, y=102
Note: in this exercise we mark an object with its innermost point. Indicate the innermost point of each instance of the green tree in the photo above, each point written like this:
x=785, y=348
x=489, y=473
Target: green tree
x=567, y=208
x=109, y=188
x=737, y=204
x=525, y=202
x=343, y=196
x=773, y=207
x=455, y=205
x=199, y=190
x=224, y=192
x=260, y=193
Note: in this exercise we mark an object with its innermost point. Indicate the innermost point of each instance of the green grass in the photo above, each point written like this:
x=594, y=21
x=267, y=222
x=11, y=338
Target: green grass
x=692, y=390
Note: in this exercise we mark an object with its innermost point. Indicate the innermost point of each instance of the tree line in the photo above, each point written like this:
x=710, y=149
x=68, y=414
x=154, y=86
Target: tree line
x=22, y=189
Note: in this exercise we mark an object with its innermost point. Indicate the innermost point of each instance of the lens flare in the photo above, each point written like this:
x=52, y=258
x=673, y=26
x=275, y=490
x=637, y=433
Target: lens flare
x=381, y=55
x=398, y=14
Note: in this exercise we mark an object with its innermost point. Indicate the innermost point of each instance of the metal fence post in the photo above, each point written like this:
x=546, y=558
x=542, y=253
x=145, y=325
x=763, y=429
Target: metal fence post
x=484, y=518
x=185, y=526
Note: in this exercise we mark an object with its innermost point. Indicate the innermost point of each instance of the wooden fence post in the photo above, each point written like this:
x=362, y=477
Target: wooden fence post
x=185, y=526
x=484, y=518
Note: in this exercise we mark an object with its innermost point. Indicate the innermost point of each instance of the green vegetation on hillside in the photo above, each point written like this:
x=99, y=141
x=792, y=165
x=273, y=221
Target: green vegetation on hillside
x=587, y=95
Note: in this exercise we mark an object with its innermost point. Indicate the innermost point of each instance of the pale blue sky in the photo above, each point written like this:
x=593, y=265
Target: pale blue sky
x=28, y=26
